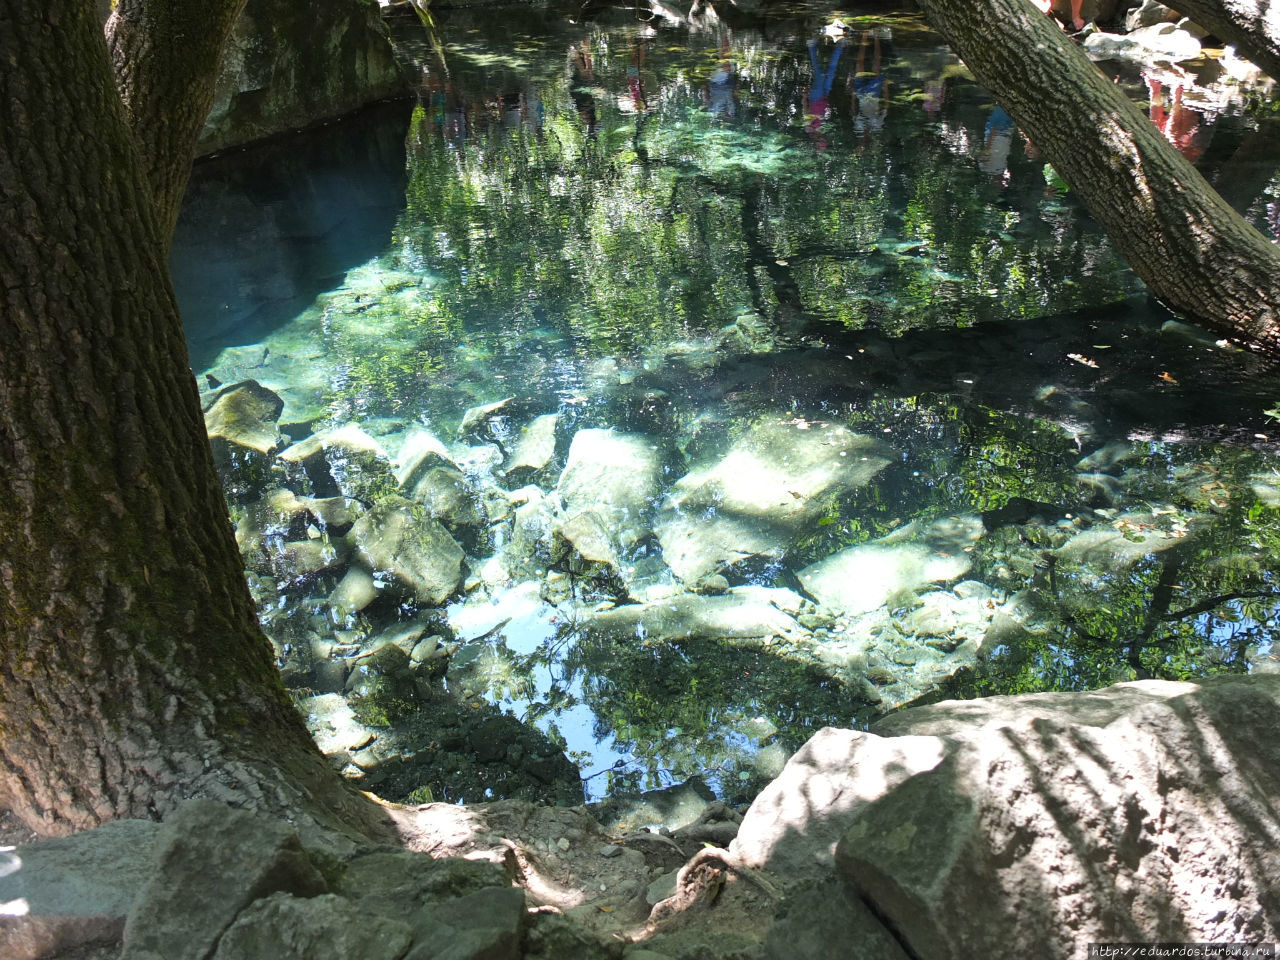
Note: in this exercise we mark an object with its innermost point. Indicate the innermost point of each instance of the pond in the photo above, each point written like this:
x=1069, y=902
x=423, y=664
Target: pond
x=660, y=393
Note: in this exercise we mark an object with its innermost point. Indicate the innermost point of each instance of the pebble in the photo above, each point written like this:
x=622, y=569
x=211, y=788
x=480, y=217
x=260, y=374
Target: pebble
x=563, y=844
x=610, y=850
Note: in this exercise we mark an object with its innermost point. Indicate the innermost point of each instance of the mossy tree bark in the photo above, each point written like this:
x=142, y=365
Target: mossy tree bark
x=132, y=670
x=1193, y=251
x=165, y=54
x=1253, y=26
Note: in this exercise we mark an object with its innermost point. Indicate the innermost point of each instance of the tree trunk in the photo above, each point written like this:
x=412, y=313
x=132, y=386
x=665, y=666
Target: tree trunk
x=166, y=54
x=132, y=670
x=1193, y=251
x=1252, y=26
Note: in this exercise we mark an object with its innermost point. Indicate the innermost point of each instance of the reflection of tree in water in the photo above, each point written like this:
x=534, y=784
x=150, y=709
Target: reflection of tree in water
x=642, y=224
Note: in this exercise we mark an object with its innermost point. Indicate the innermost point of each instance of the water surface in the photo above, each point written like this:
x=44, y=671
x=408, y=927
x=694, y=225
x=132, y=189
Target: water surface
x=723, y=258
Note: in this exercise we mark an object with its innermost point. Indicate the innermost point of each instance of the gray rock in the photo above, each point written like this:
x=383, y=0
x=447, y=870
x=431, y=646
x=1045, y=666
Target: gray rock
x=326, y=927
x=486, y=925
x=773, y=482
x=616, y=476
x=400, y=883
x=285, y=67
x=828, y=920
x=1145, y=812
x=211, y=862
x=244, y=415
x=536, y=446
x=414, y=550
x=662, y=888
x=1162, y=41
x=75, y=890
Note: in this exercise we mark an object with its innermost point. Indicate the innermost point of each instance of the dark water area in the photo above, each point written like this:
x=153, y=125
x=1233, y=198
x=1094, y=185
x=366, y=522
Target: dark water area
x=765, y=384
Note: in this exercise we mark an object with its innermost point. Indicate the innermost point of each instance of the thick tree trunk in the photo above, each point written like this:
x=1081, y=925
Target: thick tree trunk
x=1193, y=251
x=165, y=54
x=1252, y=26
x=132, y=670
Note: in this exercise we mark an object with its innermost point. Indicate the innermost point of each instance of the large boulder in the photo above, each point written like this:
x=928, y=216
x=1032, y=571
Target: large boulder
x=1027, y=826
x=289, y=65
x=773, y=483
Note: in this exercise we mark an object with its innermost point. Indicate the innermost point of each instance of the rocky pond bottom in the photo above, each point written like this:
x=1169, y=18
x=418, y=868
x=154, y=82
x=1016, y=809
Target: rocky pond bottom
x=635, y=587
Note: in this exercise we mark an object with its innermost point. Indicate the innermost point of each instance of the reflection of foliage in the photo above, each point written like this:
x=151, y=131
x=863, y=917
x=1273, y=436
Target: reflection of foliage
x=1207, y=607
x=637, y=227
x=389, y=381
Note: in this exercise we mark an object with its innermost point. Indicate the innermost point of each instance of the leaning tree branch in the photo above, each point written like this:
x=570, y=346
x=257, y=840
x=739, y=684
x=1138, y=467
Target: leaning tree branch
x=1195, y=253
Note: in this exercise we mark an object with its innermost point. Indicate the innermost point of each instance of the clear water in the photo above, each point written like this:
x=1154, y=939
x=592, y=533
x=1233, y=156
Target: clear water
x=683, y=235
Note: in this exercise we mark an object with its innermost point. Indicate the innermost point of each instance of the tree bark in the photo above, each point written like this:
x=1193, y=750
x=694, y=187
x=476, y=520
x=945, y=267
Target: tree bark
x=1252, y=26
x=165, y=54
x=132, y=670
x=1192, y=250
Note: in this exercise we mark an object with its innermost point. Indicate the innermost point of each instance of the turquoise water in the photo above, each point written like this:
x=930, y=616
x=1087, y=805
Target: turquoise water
x=853, y=407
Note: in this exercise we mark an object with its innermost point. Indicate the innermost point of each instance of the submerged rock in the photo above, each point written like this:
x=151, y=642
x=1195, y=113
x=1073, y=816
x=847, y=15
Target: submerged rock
x=615, y=476
x=419, y=452
x=742, y=613
x=476, y=417
x=1130, y=537
x=245, y=415
x=536, y=446
x=344, y=460
x=447, y=496
x=862, y=578
x=412, y=549
x=775, y=481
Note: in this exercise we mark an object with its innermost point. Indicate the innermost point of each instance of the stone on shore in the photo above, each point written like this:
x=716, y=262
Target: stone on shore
x=1026, y=826
x=61, y=894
